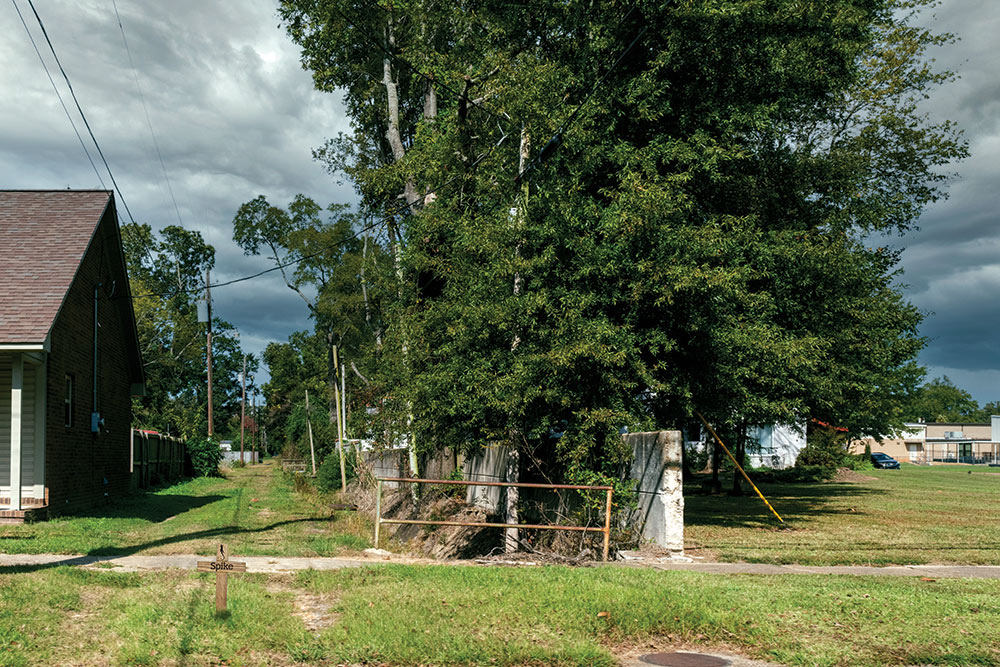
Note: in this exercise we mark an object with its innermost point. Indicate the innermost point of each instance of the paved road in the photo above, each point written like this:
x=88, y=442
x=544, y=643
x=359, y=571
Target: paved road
x=287, y=564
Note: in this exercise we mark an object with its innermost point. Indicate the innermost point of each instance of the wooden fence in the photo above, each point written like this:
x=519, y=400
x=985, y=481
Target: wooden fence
x=156, y=459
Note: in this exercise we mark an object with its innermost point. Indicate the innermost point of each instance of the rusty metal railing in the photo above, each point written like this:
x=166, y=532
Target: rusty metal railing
x=476, y=524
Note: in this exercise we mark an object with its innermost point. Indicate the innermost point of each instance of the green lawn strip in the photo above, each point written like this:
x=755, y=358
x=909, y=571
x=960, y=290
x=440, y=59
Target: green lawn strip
x=405, y=615
x=916, y=515
x=254, y=510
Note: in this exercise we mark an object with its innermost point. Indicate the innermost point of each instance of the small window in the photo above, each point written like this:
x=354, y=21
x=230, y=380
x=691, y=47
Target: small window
x=68, y=401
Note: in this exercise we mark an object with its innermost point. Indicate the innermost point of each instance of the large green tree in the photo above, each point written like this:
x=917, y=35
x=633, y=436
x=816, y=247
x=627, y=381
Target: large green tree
x=689, y=231
x=167, y=273
x=939, y=400
x=328, y=262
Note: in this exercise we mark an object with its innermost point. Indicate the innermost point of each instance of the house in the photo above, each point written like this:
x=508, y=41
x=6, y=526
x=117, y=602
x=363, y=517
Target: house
x=772, y=446
x=778, y=445
x=941, y=442
x=69, y=353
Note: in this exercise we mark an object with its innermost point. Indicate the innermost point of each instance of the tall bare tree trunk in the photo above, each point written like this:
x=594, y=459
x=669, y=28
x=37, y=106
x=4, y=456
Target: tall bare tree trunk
x=716, y=461
x=392, y=134
x=739, y=455
x=511, y=538
x=395, y=140
x=364, y=294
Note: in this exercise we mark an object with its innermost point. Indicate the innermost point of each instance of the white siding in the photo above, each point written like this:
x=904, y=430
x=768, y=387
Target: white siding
x=28, y=416
x=5, y=428
x=28, y=433
x=779, y=445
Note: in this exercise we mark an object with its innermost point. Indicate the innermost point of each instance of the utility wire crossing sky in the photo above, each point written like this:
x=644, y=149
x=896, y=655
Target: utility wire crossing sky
x=194, y=121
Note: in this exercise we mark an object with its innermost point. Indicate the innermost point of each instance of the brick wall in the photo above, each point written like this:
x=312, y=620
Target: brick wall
x=84, y=469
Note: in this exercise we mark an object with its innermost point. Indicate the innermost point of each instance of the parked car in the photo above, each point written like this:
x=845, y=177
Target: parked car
x=880, y=460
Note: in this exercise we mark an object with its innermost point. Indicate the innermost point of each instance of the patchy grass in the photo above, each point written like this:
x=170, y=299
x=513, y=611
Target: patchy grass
x=406, y=615
x=916, y=515
x=73, y=616
x=255, y=510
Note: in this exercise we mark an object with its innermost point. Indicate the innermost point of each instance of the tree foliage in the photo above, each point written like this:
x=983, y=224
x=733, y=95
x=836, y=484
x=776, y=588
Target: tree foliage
x=332, y=267
x=167, y=272
x=691, y=229
x=939, y=400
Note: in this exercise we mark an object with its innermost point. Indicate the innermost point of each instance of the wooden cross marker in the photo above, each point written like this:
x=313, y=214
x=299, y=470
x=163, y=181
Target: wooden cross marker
x=222, y=567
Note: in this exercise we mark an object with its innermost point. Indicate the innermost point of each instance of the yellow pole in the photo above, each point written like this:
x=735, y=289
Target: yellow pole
x=735, y=463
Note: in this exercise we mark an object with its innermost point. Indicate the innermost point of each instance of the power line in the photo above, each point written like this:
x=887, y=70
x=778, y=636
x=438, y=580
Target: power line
x=284, y=265
x=403, y=206
x=145, y=109
x=58, y=94
x=276, y=267
x=80, y=109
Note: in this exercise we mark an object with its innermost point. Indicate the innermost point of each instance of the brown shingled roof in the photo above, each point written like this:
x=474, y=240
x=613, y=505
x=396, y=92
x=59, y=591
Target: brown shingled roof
x=43, y=238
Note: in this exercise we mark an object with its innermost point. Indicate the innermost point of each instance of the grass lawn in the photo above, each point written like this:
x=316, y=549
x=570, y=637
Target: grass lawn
x=254, y=510
x=408, y=615
x=916, y=515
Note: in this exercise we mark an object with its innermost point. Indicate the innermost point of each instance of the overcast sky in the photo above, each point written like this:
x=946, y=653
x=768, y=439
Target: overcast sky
x=235, y=116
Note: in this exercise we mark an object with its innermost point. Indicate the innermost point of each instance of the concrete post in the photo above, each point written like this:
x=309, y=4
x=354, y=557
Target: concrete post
x=657, y=467
x=511, y=535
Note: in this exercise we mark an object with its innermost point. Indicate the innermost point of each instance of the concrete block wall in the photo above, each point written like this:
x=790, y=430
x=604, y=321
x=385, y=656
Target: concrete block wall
x=396, y=463
x=489, y=464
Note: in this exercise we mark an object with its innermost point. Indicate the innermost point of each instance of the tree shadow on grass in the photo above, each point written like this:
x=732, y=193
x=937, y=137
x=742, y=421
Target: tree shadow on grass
x=109, y=554
x=152, y=507
x=795, y=502
x=800, y=503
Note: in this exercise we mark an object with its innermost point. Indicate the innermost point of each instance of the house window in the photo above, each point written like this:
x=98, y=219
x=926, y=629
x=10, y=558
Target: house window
x=68, y=401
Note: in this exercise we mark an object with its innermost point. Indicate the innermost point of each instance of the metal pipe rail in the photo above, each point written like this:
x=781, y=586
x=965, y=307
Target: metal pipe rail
x=475, y=524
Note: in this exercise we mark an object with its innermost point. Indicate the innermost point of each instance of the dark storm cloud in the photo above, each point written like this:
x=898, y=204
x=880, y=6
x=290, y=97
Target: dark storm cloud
x=952, y=263
x=235, y=116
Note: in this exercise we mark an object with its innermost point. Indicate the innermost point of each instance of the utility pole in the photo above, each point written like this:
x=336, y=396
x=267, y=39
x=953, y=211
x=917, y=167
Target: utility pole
x=208, y=356
x=253, y=426
x=243, y=407
x=340, y=424
x=309, y=425
x=343, y=403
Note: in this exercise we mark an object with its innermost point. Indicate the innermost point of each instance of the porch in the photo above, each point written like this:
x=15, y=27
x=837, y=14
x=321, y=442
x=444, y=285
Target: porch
x=22, y=434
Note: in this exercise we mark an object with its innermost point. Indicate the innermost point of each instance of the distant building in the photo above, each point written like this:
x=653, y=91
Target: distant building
x=69, y=353
x=774, y=446
x=941, y=442
x=778, y=445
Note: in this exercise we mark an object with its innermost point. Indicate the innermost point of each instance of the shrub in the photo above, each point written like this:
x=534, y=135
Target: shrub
x=825, y=448
x=860, y=461
x=290, y=451
x=205, y=455
x=328, y=473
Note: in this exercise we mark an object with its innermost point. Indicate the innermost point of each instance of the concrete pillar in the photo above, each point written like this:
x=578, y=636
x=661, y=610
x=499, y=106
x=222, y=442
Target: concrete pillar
x=16, y=384
x=657, y=467
x=511, y=536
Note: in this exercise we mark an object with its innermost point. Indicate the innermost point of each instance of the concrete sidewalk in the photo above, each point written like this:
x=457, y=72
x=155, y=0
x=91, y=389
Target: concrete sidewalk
x=181, y=561
x=290, y=564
